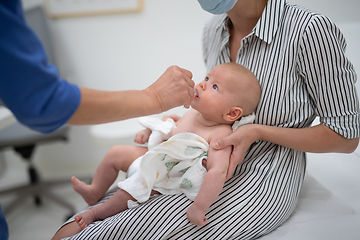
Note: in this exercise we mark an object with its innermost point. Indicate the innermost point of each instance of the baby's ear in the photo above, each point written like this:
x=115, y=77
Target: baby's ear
x=233, y=115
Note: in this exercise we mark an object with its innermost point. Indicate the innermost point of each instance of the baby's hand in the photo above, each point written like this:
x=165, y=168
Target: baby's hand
x=196, y=216
x=143, y=136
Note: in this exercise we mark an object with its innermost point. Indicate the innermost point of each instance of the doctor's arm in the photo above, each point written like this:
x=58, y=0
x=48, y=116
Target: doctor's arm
x=174, y=88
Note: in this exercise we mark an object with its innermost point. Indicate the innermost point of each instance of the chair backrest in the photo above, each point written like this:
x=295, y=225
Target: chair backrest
x=17, y=135
x=37, y=20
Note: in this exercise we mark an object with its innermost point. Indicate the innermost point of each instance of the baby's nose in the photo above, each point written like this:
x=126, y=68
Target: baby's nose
x=202, y=85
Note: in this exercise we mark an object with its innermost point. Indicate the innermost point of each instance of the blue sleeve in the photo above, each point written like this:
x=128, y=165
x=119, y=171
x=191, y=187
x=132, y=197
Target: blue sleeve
x=29, y=85
x=4, y=230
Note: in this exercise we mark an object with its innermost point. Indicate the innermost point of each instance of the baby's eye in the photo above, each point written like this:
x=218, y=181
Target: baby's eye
x=215, y=87
x=206, y=79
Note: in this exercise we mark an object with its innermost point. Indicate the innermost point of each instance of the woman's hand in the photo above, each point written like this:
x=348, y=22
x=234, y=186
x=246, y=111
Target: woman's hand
x=314, y=139
x=241, y=140
x=174, y=88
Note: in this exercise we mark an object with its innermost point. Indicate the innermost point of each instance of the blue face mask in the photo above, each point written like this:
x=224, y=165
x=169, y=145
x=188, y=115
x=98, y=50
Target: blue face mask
x=217, y=6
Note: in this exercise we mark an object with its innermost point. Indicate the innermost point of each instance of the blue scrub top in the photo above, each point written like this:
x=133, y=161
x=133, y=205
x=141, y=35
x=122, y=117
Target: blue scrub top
x=29, y=85
x=4, y=231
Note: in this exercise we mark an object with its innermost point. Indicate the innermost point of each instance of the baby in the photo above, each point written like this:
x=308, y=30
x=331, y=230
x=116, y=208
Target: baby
x=228, y=93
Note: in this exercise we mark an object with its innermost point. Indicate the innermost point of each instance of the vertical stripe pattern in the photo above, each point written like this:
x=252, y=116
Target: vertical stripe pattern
x=298, y=57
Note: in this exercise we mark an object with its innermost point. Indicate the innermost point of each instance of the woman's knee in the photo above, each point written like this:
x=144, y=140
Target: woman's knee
x=68, y=230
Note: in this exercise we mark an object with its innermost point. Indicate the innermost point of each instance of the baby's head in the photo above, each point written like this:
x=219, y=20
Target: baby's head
x=229, y=91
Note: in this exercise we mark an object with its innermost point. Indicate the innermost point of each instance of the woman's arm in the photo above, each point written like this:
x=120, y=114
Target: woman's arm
x=316, y=139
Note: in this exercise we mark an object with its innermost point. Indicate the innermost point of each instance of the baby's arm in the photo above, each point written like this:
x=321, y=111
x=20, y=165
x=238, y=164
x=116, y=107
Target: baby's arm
x=217, y=166
x=143, y=136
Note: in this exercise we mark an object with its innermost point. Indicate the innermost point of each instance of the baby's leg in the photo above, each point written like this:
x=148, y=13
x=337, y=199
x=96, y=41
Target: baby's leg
x=115, y=204
x=118, y=158
x=73, y=228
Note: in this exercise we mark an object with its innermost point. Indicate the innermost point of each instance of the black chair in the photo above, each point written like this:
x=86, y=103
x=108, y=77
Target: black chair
x=24, y=141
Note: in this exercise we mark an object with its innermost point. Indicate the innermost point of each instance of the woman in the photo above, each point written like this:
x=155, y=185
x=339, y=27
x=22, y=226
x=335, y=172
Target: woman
x=298, y=57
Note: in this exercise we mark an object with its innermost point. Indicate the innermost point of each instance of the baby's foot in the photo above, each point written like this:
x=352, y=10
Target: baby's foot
x=85, y=191
x=84, y=219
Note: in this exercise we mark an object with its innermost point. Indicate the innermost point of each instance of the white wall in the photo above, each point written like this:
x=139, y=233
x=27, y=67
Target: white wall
x=127, y=51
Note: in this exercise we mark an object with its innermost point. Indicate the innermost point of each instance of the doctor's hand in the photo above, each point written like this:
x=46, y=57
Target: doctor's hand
x=241, y=140
x=174, y=88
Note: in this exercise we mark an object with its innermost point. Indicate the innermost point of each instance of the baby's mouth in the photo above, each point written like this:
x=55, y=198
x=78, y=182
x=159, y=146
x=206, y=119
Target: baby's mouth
x=196, y=94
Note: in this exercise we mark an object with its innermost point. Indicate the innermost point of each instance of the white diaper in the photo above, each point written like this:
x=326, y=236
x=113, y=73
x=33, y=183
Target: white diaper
x=173, y=167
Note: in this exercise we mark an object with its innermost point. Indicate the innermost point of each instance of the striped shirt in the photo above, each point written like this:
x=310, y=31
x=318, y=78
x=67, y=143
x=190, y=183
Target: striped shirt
x=298, y=57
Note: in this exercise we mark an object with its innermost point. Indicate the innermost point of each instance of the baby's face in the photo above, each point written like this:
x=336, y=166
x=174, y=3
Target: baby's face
x=215, y=95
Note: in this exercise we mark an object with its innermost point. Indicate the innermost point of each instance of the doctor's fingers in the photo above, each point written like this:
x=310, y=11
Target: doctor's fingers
x=191, y=85
x=188, y=78
x=183, y=85
x=188, y=98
